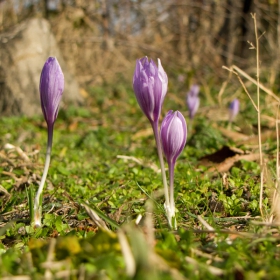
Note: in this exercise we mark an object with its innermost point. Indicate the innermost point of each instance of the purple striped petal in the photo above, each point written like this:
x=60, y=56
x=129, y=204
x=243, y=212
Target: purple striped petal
x=150, y=87
x=173, y=134
x=51, y=89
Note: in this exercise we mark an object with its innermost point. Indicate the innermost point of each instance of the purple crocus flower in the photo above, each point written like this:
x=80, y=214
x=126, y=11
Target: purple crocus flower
x=51, y=88
x=150, y=87
x=233, y=109
x=173, y=134
x=193, y=100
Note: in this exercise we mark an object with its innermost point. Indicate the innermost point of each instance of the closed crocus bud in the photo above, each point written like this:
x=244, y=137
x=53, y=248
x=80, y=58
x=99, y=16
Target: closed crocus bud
x=150, y=87
x=233, y=109
x=51, y=88
x=173, y=134
x=193, y=100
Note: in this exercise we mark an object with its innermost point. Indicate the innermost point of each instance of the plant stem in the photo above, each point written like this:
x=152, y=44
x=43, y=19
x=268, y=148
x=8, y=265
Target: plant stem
x=172, y=217
x=190, y=126
x=30, y=197
x=171, y=188
x=37, y=206
x=160, y=156
x=259, y=113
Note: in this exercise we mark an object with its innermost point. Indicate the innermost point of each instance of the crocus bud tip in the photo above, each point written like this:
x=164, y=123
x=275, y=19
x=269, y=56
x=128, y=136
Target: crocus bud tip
x=173, y=135
x=150, y=87
x=51, y=89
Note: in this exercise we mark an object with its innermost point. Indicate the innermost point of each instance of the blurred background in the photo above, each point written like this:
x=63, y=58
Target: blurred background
x=98, y=41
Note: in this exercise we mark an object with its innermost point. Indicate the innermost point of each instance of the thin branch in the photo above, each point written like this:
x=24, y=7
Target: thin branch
x=268, y=91
x=259, y=112
x=243, y=85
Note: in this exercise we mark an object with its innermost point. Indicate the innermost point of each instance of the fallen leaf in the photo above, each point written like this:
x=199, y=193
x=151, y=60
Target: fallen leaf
x=142, y=133
x=233, y=135
x=225, y=158
x=220, y=156
x=254, y=140
x=229, y=162
x=73, y=126
x=83, y=93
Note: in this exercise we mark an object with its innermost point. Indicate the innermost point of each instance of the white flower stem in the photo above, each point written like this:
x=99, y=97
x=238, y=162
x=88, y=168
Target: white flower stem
x=190, y=126
x=163, y=174
x=172, y=218
x=37, y=206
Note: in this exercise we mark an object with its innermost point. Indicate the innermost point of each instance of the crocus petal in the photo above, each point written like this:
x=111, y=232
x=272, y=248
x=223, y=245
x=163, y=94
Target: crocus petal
x=150, y=86
x=173, y=135
x=163, y=78
x=51, y=89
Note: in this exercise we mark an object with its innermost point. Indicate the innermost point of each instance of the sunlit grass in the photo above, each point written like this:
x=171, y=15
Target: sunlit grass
x=86, y=167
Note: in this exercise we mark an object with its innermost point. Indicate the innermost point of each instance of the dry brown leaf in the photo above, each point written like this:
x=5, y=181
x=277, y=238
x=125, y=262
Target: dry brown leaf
x=83, y=93
x=233, y=135
x=270, y=121
x=73, y=126
x=216, y=113
x=220, y=156
x=253, y=140
x=143, y=133
x=229, y=162
x=223, y=159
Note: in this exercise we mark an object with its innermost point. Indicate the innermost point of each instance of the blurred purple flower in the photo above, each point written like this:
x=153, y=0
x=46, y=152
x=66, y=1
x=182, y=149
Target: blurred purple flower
x=150, y=87
x=181, y=78
x=51, y=88
x=193, y=100
x=233, y=109
x=173, y=134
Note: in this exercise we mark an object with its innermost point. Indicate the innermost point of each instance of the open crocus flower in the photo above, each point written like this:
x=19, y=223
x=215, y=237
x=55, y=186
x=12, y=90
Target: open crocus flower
x=173, y=134
x=193, y=100
x=51, y=89
x=150, y=87
x=233, y=109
